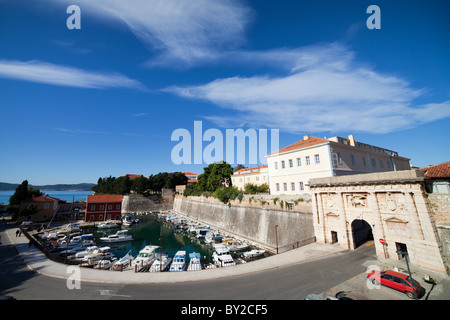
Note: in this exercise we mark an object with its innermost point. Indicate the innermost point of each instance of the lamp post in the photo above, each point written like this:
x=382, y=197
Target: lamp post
x=276, y=236
x=405, y=253
x=160, y=254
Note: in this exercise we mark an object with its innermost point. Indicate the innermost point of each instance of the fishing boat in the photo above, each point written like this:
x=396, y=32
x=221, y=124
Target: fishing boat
x=119, y=236
x=179, y=262
x=194, y=262
x=222, y=257
x=162, y=261
x=254, y=253
x=145, y=257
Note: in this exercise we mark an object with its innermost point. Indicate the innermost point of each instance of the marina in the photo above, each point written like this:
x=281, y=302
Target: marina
x=149, y=242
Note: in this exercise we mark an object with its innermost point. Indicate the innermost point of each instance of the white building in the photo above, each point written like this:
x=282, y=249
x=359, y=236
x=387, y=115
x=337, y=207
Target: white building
x=291, y=168
x=255, y=175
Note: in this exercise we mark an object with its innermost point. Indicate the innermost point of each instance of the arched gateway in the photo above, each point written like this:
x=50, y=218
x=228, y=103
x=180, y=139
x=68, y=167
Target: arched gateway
x=392, y=206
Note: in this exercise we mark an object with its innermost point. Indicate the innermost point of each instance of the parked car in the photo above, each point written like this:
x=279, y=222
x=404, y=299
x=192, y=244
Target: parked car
x=398, y=281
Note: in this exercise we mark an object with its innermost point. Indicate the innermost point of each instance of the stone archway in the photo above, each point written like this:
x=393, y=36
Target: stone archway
x=361, y=232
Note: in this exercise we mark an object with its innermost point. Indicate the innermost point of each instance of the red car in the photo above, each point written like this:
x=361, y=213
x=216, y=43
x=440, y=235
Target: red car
x=396, y=280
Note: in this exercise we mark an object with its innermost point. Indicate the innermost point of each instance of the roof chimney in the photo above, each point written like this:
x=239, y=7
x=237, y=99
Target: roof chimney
x=305, y=137
x=352, y=140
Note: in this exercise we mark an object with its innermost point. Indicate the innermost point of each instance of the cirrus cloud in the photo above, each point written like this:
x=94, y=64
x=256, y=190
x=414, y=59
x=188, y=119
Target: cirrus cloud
x=324, y=89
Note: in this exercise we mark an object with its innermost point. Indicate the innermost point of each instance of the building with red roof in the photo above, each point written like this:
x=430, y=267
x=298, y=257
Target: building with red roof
x=291, y=167
x=103, y=207
x=255, y=175
x=46, y=207
x=437, y=178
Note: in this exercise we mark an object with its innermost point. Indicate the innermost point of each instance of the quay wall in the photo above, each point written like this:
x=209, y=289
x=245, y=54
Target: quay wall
x=255, y=224
x=139, y=204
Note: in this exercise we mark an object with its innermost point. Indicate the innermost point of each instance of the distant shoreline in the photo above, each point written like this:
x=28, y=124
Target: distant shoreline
x=4, y=186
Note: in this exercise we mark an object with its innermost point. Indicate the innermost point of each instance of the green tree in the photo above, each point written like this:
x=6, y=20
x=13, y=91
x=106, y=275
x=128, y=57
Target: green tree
x=214, y=176
x=23, y=192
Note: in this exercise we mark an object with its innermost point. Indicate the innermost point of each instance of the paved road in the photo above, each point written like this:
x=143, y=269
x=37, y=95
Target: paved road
x=285, y=283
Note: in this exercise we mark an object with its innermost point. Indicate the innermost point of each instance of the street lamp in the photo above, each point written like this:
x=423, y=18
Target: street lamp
x=276, y=236
x=405, y=253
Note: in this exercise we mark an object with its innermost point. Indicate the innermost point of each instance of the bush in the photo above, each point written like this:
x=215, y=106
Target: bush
x=225, y=194
x=251, y=188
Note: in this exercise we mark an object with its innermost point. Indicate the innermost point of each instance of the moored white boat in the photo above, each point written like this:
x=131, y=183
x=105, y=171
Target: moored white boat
x=162, y=261
x=194, y=262
x=222, y=257
x=145, y=257
x=178, y=262
x=108, y=225
x=120, y=236
x=236, y=245
x=254, y=253
x=123, y=262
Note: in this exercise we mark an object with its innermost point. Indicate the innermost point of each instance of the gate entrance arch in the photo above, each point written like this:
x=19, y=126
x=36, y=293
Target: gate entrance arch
x=361, y=232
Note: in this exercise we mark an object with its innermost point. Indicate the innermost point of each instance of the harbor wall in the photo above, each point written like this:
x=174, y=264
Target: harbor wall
x=139, y=204
x=255, y=224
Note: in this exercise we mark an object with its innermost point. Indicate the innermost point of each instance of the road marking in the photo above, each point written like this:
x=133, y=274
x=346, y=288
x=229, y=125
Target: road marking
x=369, y=244
x=106, y=292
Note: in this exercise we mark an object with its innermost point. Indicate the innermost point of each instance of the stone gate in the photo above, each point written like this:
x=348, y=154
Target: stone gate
x=391, y=206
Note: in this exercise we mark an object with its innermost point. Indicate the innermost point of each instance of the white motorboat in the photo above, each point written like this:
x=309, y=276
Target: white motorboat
x=102, y=253
x=194, y=262
x=236, y=245
x=179, y=262
x=104, y=264
x=222, y=257
x=85, y=252
x=128, y=221
x=254, y=253
x=120, y=236
x=108, y=225
x=162, y=261
x=123, y=262
x=145, y=257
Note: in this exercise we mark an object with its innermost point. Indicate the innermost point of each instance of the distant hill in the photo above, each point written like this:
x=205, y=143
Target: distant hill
x=56, y=187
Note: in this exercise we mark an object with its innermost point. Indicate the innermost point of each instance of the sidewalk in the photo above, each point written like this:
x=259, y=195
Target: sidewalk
x=38, y=262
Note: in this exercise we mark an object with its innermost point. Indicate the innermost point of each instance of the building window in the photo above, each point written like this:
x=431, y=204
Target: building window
x=300, y=186
x=381, y=163
x=307, y=160
x=374, y=164
x=93, y=207
x=285, y=186
x=46, y=205
x=282, y=164
x=299, y=162
x=276, y=165
x=339, y=158
x=353, y=159
x=91, y=218
x=100, y=217
x=118, y=207
x=110, y=207
x=102, y=207
x=388, y=164
x=278, y=186
x=292, y=186
x=291, y=163
x=317, y=158
x=364, y=161
x=257, y=178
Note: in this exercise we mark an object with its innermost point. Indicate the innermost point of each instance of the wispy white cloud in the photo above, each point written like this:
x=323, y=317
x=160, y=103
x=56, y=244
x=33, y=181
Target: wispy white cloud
x=179, y=30
x=67, y=130
x=48, y=73
x=323, y=89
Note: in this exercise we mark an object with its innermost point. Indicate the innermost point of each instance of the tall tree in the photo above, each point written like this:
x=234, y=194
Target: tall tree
x=23, y=192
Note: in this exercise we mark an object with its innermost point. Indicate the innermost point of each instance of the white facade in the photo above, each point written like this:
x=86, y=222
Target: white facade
x=255, y=175
x=291, y=168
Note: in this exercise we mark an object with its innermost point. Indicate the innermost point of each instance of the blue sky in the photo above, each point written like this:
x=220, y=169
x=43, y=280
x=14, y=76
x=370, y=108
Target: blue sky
x=104, y=100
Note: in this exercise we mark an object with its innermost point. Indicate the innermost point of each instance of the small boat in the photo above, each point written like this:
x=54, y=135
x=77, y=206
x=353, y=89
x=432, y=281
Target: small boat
x=179, y=262
x=120, y=236
x=102, y=253
x=162, y=261
x=129, y=220
x=194, y=262
x=222, y=257
x=145, y=257
x=236, y=245
x=254, y=253
x=88, y=250
x=123, y=262
x=108, y=225
x=104, y=264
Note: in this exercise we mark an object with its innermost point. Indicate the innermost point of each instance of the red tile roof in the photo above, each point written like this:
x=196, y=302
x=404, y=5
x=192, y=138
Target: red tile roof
x=43, y=198
x=301, y=144
x=441, y=170
x=245, y=169
x=189, y=174
x=133, y=175
x=104, y=198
